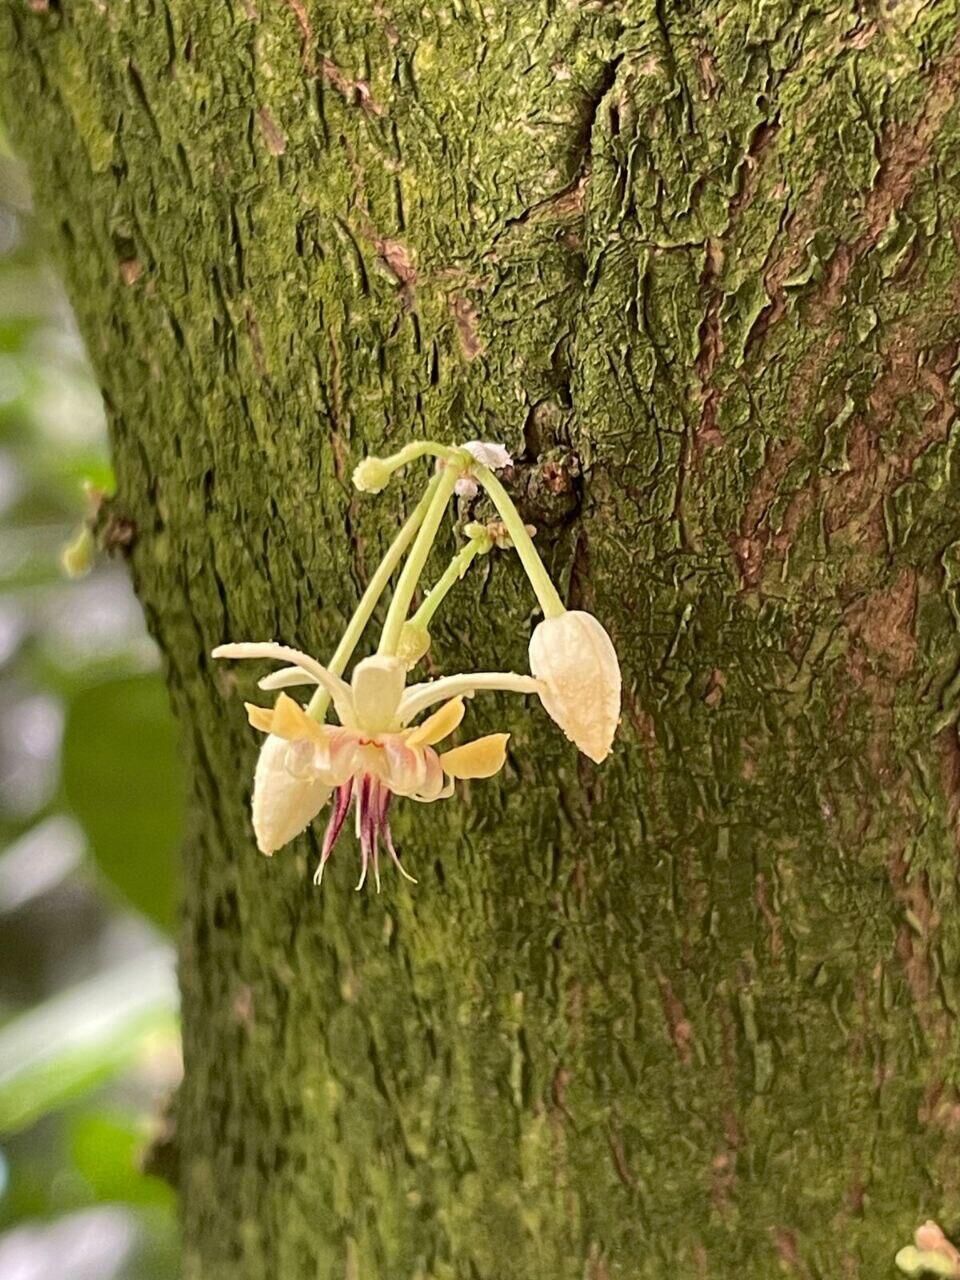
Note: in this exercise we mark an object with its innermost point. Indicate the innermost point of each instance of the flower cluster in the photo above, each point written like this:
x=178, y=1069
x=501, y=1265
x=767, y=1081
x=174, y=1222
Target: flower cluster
x=381, y=748
x=931, y=1254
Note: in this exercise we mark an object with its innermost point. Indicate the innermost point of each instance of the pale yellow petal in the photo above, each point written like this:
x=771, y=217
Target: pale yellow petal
x=260, y=717
x=418, y=697
x=438, y=726
x=338, y=689
x=290, y=721
x=481, y=758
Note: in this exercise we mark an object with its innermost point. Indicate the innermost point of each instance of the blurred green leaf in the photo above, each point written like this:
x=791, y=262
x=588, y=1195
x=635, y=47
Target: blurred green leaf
x=107, y=1042
x=123, y=780
x=30, y=556
x=88, y=467
x=106, y=1150
x=75, y=1040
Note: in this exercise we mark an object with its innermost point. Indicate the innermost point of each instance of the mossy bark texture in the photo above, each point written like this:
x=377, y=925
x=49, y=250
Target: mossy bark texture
x=689, y=1013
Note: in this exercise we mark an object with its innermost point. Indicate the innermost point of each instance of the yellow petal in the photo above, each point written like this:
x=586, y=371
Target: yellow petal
x=260, y=717
x=481, y=758
x=292, y=722
x=437, y=726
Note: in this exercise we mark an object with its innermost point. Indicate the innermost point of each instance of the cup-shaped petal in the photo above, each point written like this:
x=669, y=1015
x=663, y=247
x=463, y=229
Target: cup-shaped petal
x=283, y=805
x=377, y=688
x=403, y=768
x=575, y=659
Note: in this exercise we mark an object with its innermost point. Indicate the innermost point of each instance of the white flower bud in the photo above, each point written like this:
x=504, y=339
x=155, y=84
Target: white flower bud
x=575, y=659
x=283, y=805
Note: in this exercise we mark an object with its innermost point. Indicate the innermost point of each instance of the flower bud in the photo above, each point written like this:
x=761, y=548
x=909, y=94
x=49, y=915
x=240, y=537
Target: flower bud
x=923, y=1262
x=414, y=643
x=77, y=557
x=372, y=475
x=575, y=659
x=283, y=804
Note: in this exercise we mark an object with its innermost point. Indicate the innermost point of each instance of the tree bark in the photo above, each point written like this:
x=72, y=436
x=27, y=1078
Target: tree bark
x=694, y=1011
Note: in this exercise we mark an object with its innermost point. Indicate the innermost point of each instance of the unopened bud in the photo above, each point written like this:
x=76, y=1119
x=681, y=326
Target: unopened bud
x=414, y=643
x=372, y=475
x=575, y=659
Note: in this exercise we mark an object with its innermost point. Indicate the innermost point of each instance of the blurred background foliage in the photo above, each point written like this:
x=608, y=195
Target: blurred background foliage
x=90, y=814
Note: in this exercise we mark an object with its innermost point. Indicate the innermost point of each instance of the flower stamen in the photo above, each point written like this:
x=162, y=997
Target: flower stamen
x=341, y=808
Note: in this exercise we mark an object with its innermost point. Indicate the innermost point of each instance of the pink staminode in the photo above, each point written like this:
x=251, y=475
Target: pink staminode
x=372, y=800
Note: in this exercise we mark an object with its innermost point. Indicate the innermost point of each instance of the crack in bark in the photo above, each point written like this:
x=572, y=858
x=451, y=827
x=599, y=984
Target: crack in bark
x=273, y=136
x=751, y=543
x=570, y=200
x=355, y=93
x=707, y=432
x=299, y=11
x=904, y=154
x=465, y=318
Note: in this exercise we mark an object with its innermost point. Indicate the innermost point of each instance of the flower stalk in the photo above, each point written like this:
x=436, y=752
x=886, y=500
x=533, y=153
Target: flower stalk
x=546, y=593
x=372, y=475
x=476, y=545
x=415, y=562
x=320, y=701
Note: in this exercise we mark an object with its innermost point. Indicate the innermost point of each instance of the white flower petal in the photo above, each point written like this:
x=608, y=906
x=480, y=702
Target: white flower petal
x=338, y=689
x=420, y=696
x=575, y=659
x=283, y=805
x=489, y=454
x=286, y=678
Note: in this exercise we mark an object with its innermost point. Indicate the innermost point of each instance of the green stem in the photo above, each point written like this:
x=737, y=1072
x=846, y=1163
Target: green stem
x=320, y=701
x=455, y=570
x=420, y=449
x=410, y=576
x=546, y=592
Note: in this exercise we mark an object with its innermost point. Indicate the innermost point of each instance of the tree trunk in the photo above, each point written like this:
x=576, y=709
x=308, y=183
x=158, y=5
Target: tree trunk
x=691, y=1012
